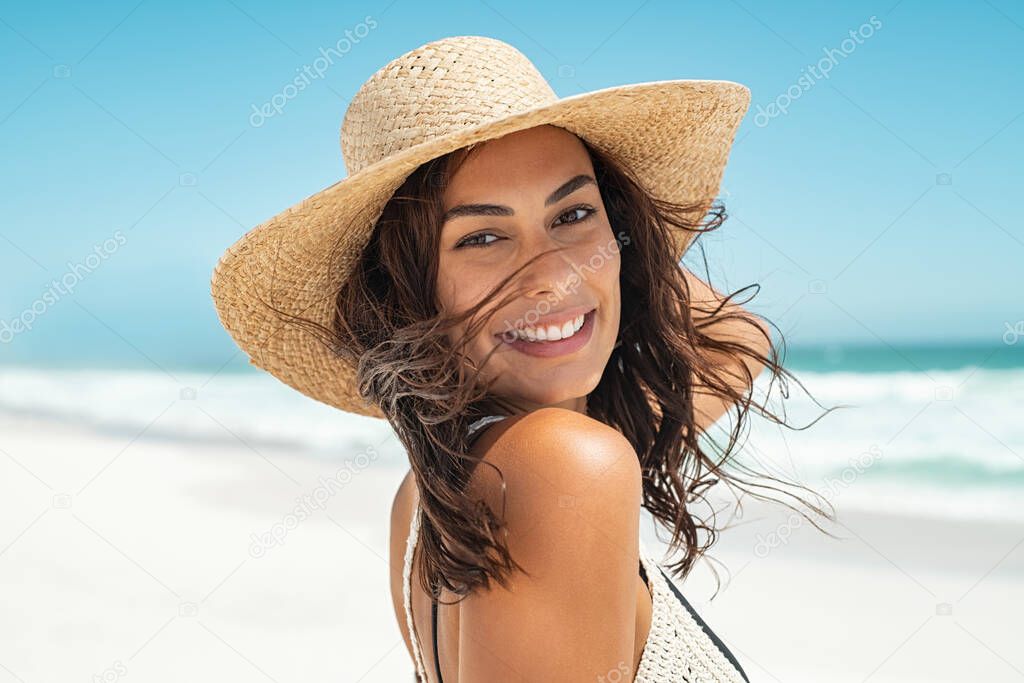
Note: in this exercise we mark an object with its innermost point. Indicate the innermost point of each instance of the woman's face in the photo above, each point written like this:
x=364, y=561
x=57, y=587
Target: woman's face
x=513, y=198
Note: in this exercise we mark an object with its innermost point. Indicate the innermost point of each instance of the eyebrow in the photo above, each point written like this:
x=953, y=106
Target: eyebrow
x=564, y=190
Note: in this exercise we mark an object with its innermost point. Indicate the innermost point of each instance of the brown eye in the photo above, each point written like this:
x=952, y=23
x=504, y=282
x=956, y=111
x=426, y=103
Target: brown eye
x=473, y=240
x=576, y=214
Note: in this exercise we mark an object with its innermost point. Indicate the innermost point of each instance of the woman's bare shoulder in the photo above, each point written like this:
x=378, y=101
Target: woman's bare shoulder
x=572, y=498
x=549, y=447
x=553, y=450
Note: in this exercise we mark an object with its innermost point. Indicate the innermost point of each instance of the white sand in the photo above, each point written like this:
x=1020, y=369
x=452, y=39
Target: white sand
x=131, y=559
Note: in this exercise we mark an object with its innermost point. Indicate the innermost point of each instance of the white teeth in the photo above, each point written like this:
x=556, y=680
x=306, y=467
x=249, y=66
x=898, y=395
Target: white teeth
x=551, y=332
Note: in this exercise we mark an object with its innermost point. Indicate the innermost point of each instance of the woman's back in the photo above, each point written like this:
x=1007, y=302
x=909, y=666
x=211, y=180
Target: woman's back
x=574, y=524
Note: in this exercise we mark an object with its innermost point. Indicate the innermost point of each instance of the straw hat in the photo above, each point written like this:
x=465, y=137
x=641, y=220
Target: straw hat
x=675, y=135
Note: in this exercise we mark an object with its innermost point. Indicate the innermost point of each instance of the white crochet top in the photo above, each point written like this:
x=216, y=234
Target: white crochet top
x=678, y=648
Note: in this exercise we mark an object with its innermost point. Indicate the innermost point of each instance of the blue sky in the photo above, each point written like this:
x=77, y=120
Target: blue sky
x=879, y=207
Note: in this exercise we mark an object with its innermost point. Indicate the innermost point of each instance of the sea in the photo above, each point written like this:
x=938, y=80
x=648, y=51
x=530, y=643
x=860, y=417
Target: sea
x=931, y=429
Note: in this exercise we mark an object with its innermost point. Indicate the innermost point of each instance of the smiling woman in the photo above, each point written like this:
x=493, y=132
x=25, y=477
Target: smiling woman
x=516, y=309
x=555, y=301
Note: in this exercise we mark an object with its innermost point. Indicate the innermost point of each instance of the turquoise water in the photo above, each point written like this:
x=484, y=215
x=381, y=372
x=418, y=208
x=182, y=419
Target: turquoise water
x=933, y=428
x=900, y=358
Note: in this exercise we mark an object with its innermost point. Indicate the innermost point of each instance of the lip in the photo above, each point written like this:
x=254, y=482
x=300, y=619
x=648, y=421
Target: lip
x=562, y=347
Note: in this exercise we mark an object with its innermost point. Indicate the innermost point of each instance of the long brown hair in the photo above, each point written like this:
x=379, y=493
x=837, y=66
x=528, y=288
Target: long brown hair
x=388, y=322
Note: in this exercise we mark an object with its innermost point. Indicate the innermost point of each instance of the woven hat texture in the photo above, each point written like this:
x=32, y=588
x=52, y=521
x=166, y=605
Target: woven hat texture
x=675, y=135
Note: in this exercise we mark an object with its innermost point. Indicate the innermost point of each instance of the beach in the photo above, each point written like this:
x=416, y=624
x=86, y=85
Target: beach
x=159, y=559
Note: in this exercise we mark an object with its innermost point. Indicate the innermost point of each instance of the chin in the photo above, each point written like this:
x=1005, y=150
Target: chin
x=565, y=391
x=552, y=386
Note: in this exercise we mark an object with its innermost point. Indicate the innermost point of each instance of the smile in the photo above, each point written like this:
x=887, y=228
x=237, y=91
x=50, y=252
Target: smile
x=549, y=332
x=552, y=340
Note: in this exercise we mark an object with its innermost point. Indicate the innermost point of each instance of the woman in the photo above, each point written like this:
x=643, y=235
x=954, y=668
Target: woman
x=499, y=278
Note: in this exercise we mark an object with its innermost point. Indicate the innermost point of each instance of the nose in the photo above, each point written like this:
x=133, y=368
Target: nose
x=550, y=269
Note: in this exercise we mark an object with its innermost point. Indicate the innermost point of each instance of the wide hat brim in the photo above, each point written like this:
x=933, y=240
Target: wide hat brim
x=674, y=135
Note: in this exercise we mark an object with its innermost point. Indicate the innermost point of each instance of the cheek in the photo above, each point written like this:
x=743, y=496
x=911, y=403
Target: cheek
x=453, y=287
x=612, y=292
x=607, y=283
x=605, y=262
x=446, y=292
x=459, y=291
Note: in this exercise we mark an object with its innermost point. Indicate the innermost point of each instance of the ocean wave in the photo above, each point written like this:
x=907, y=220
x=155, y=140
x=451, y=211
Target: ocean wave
x=252, y=408
x=948, y=433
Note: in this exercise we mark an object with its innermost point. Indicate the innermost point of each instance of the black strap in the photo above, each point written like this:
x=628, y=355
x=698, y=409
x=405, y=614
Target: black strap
x=433, y=628
x=696, y=617
x=473, y=434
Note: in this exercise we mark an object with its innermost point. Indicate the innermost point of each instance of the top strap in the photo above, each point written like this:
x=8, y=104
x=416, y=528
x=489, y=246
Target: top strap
x=483, y=422
x=410, y=546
